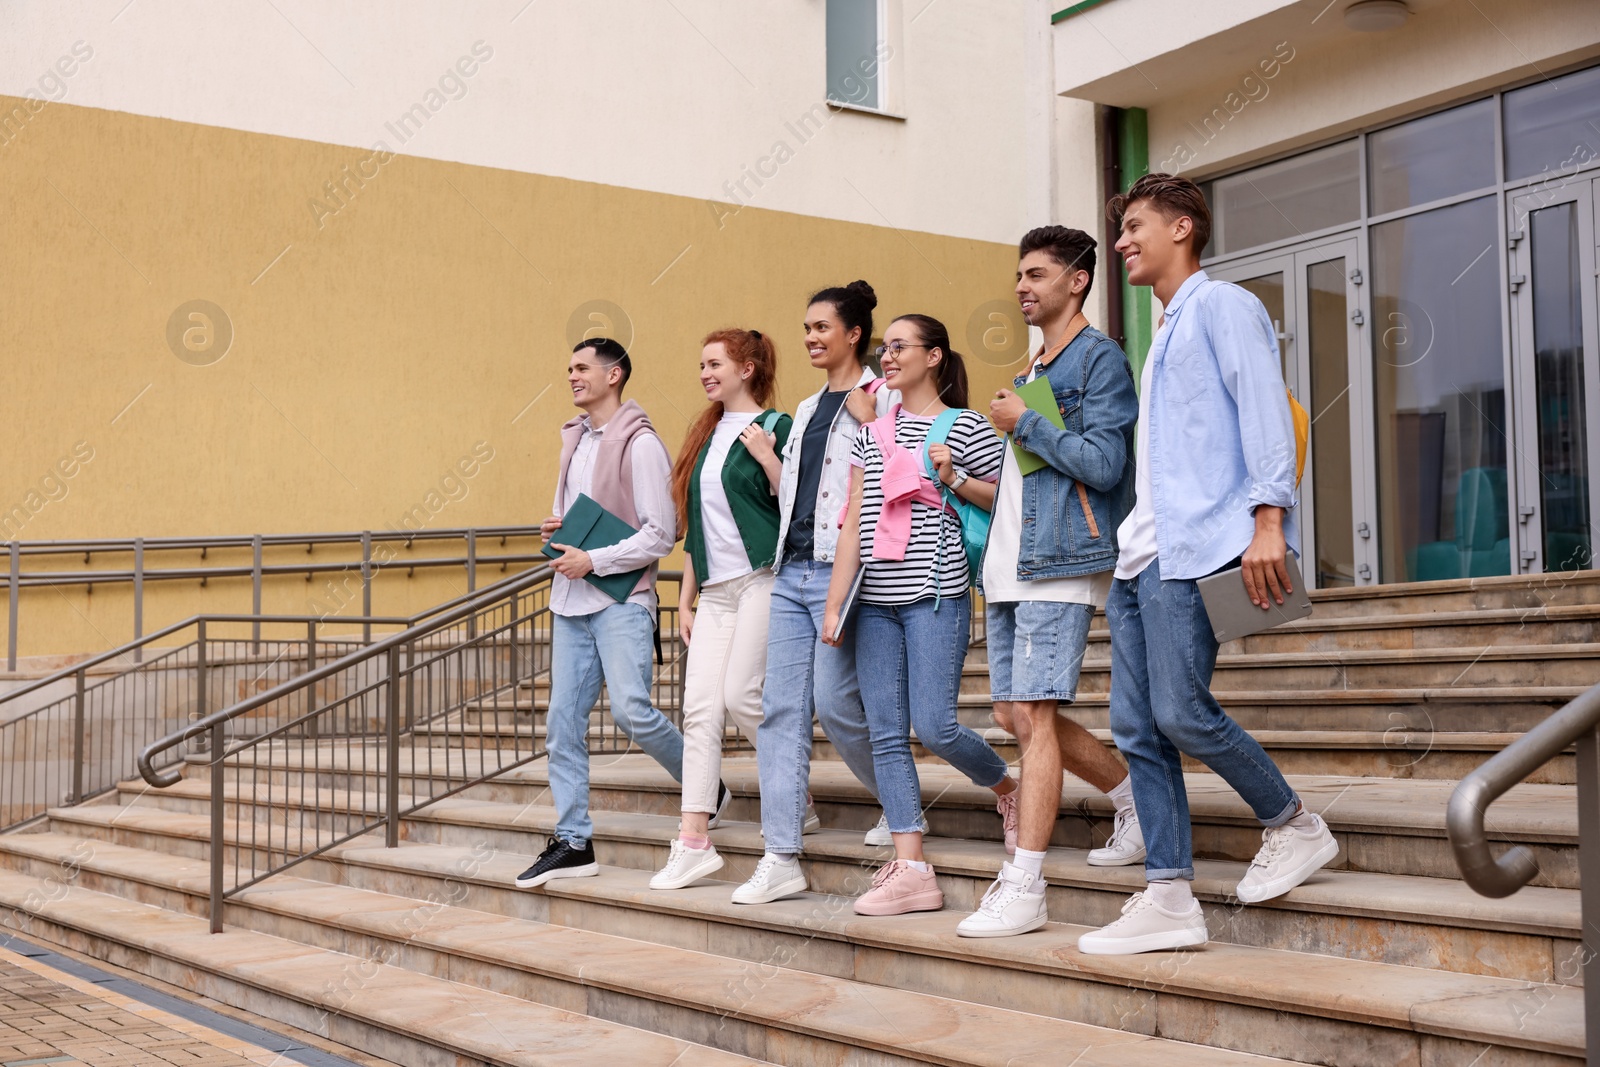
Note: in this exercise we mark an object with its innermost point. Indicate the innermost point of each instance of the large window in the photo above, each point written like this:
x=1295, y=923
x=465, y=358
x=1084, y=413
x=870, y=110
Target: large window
x=1463, y=460
x=1440, y=395
x=1290, y=198
x=1553, y=126
x=1432, y=158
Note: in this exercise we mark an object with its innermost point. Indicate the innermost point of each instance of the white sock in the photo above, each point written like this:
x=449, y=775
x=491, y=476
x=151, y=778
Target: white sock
x=783, y=857
x=1303, y=820
x=1032, y=863
x=1122, y=795
x=1172, y=894
x=920, y=865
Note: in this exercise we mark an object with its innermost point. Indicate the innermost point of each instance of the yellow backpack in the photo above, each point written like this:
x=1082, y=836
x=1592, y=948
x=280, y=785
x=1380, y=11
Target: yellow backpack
x=1302, y=435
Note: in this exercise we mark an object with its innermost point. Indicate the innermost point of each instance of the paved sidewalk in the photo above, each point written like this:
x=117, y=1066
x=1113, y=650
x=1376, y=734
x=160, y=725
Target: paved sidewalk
x=51, y=1018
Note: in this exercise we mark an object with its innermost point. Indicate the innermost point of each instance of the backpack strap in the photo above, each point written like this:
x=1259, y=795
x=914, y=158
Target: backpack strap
x=938, y=434
x=771, y=421
x=874, y=385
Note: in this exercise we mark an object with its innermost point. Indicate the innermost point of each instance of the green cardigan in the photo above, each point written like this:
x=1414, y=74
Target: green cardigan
x=750, y=496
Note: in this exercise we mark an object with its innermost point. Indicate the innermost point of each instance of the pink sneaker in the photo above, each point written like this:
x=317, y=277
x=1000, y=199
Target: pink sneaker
x=898, y=888
x=1007, y=807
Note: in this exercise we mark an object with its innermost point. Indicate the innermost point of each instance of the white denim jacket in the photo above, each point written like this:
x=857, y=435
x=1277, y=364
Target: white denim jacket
x=833, y=488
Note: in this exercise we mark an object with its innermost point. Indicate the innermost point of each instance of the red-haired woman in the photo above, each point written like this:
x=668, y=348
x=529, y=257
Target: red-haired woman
x=725, y=485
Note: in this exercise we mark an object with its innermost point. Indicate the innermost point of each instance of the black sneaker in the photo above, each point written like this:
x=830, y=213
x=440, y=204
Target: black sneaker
x=723, y=799
x=560, y=860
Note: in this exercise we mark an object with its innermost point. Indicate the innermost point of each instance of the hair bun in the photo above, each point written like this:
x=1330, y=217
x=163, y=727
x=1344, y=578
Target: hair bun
x=864, y=291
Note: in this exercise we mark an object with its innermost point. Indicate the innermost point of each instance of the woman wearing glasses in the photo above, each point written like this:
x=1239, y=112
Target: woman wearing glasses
x=915, y=603
x=802, y=672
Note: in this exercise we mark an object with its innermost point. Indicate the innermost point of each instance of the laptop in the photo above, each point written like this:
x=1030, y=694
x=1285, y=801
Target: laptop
x=1232, y=614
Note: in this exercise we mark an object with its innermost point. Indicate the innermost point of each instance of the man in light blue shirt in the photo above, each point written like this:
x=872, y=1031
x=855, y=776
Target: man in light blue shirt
x=1215, y=484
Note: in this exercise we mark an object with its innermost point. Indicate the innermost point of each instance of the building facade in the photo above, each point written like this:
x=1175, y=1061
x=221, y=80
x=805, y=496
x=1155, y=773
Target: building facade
x=281, y=268
x=1412, y=190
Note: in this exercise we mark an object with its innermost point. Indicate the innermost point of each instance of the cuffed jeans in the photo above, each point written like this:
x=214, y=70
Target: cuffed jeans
x=722, y=680
x=803, y=673
x=613, y=644
x=911, y=655
x=1163, y=651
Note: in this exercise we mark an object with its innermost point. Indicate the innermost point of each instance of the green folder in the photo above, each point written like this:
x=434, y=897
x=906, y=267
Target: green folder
x=587, y=525
x=1039, y=397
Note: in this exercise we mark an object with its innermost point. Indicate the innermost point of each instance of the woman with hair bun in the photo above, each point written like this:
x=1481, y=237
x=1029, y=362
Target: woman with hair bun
x=804, y=673
x=725, y=485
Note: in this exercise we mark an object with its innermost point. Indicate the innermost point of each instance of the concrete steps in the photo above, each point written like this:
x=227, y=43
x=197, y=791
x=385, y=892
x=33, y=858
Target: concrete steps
x=1374, y=706
x=392, y=1011
x=622, y=987
x=1227, y=994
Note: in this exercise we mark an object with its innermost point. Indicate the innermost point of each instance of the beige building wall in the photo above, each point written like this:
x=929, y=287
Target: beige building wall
x=393, y=311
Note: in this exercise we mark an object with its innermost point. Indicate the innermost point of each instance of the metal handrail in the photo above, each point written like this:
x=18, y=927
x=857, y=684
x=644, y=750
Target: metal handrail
x=149, y=639
x=83, y=736
x=1577, y=723
x=344, y=620
x=1469, y=804
x=14, y=579
x=479, y=601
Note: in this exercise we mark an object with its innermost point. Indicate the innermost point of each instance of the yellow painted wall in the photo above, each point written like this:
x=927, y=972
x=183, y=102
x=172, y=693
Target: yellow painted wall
x=373, y=347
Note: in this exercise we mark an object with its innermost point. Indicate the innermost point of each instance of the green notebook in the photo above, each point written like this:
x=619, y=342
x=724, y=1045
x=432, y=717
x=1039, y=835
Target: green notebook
x=1039, y=397
x=587, y=525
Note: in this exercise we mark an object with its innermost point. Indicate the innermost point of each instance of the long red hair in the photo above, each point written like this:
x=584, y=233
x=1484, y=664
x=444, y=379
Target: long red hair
x=743, y=347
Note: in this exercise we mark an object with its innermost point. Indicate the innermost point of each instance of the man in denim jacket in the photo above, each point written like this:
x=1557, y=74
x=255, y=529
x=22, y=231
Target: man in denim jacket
x=1047, y=566
x=1215, y=489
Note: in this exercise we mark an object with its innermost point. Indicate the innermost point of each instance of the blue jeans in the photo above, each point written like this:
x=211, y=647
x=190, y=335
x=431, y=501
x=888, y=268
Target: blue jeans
x=615, y=644
x=1036, y=649
x=913, y=656
x=802, y=672
x=1163, y=651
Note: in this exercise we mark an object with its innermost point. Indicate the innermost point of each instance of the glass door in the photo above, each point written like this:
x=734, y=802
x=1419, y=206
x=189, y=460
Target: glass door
x=1556, y=361
x=1313, y=297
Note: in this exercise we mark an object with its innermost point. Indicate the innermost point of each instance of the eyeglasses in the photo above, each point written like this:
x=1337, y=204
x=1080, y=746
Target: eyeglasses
x=894, y=349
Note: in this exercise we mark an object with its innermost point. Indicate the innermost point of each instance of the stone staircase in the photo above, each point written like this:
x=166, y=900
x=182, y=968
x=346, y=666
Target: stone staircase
x=425, y=953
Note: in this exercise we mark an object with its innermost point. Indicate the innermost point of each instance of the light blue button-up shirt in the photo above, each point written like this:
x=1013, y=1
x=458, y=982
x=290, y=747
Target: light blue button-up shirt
x=1221, y=439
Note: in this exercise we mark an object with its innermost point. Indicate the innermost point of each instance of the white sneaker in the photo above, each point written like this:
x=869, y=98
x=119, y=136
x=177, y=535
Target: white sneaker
x=1146, y=926
x=812, y=823
x=1288, y=857
x=773, y=879
x=1011, y=906
x=1126, y=846
x=686, y=866
x=880, y=835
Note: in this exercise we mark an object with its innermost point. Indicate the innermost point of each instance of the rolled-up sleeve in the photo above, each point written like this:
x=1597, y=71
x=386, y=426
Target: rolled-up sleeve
x=1246, y=348
x=652, y=501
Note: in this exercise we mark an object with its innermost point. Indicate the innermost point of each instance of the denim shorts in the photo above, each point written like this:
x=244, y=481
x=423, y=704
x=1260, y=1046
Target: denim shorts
x=1036, y=649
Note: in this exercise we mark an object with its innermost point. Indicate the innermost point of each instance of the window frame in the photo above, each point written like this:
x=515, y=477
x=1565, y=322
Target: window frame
x=888, y=48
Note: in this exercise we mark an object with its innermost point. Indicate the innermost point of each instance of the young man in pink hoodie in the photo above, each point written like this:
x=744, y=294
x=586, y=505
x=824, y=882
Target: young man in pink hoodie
x=612, y=454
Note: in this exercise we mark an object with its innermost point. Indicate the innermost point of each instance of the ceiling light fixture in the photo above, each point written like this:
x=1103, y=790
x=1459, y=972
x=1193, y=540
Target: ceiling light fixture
x=1375, y=16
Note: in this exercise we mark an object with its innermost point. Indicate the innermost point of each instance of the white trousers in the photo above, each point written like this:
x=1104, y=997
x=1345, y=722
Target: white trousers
x=726, y=667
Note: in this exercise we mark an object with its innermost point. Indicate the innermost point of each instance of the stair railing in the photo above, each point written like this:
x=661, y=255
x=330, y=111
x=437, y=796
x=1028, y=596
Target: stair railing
x=378, y=551
x=74, y=734
x=1578, y=723
x=446, y=704
x=91, y=719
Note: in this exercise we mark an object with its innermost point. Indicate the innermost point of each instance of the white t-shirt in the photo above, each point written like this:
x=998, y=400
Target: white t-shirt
x=1000, y=582
x=726, y=556
x=1137, y=535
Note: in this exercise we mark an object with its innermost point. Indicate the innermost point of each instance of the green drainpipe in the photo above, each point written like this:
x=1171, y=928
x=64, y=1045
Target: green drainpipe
x=1133, y=143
